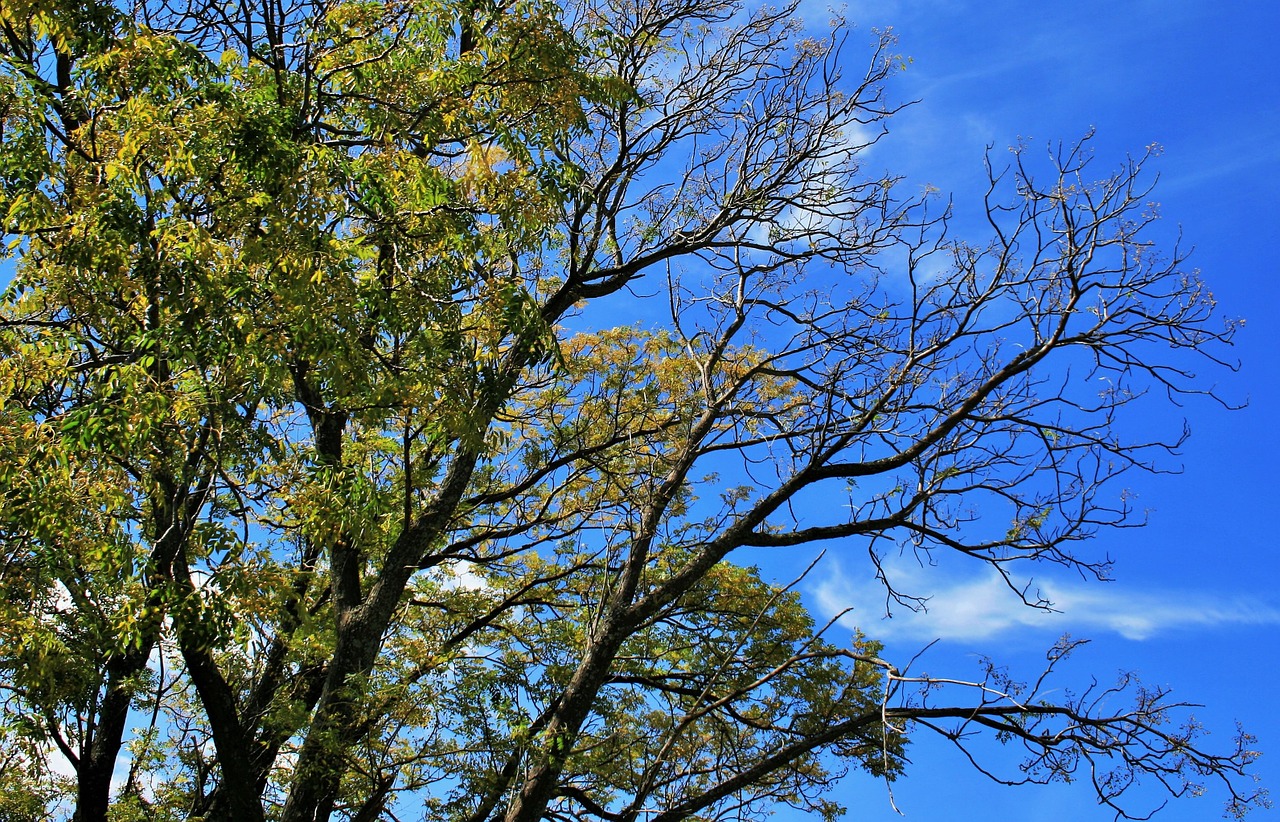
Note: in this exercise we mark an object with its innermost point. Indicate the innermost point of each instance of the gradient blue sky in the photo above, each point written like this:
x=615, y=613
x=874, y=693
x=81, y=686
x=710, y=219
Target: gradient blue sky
x=1195, y=604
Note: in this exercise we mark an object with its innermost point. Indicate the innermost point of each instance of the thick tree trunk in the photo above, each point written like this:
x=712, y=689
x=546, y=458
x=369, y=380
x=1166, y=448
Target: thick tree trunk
x=101, y=749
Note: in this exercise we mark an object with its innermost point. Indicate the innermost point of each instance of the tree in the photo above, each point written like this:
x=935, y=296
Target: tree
x=388, y=386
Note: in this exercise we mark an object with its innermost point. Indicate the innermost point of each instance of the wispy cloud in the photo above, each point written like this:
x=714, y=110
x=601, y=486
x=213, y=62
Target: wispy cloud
x=980, y=607
x=1250, y=151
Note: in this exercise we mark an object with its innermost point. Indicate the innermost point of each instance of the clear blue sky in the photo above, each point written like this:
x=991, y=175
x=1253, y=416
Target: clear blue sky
x=1195, y=604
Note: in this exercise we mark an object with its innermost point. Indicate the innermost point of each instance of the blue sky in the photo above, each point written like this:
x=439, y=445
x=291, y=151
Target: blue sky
x=1195, y=605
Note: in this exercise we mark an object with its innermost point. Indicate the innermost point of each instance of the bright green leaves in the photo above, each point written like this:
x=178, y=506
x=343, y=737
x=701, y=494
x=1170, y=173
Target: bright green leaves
x=24, y=157
x=144, y=66
x=27, y=788
x=69, y=579
x=729, y=676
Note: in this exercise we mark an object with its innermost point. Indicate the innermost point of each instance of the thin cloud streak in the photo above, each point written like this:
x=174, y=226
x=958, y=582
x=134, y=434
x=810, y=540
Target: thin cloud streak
x=983, y=607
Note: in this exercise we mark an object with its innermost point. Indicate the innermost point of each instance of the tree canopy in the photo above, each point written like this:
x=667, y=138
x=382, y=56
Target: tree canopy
x=388, y=386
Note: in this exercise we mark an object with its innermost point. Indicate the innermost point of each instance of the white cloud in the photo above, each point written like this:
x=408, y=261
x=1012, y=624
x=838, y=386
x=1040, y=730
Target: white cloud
x=1252, y=151
x=460, y=575
x=980, y=607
